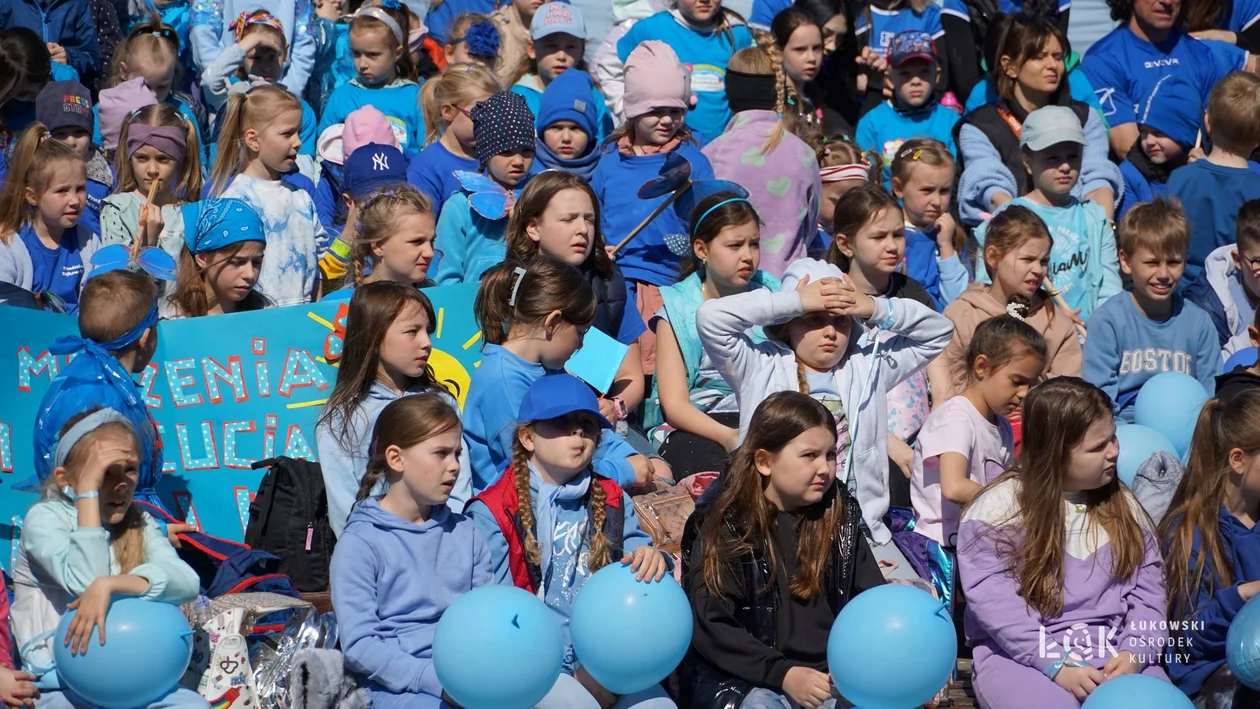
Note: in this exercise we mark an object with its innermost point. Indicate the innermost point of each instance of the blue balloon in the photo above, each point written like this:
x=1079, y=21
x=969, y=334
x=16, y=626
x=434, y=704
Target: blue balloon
x=1169, y=402
x=1137, y=445
x=498, y=647
x=1241, y=358
x=892, y=646
x=629, y=635
x=1242, y=645
x=146, y=651
x=1129, y=691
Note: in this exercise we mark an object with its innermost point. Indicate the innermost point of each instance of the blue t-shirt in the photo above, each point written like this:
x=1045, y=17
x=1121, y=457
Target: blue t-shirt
x=764, y=12
x=707, y=53
x=399, y=101
x=884, y=129
x=875, y=28
x=1071, y=257
x=1245, y=14
x=90, y=218
x=58, y=271
x=1125, y=349
x=1127, y=71
x=433, y=173
x=1015, y=7
x=1211, y=196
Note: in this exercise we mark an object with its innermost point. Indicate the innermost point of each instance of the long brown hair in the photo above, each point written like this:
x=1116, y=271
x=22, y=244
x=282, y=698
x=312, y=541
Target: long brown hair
x=731, y=214
x=741, y=520
x=188, y=187
x=127, y=537
x=378, y=215
x=1196, y=506
x=31, y=165
x=189, y=292
x=854, y=210
x=1057, y=415
x=530, y=207
x=405, y=422
x=252, y=110
x=600, y=549
x=508, y=298
x=373, y=308
x=1025, y=40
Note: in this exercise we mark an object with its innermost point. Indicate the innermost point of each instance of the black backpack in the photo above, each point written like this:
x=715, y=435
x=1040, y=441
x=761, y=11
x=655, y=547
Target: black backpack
x=289, y=518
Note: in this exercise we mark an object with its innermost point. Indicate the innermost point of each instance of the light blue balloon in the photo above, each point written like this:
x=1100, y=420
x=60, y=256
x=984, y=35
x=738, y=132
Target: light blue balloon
x=1169, y=402
x=146, y=651
x=1242, y=645
x=1137, y=445
x=498, y=647
x=1241, y=358
x=1130, y=691
x=629, y=635
x=892, y=647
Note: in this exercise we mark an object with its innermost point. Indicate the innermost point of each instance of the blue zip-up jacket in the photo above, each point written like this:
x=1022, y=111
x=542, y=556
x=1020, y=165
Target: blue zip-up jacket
x=494, y=397
x=1202, y=651
x=65, y=22
x=391, y=582
x=943, y=279
x=1221, y=292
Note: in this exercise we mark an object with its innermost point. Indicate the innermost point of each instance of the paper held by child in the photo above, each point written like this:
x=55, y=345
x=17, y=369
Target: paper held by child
x=598, y=361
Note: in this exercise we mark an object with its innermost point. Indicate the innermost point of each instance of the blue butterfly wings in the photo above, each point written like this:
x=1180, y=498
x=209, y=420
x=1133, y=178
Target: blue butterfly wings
x=155, y=262
x=487, y=197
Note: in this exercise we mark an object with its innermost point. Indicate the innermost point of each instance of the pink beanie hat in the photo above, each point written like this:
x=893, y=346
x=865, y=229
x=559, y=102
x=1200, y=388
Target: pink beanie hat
x=366, y=125
x=116, y=105
x=654, y=79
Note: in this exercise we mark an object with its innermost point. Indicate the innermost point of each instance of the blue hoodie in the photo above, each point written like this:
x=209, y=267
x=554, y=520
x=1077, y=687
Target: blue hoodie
x=570, y=97
x=885, y=128
x=391, y=581
x=561, y=522
x=433, y=173
x=617, y=180
x=498, y=385
x=343, y=464
x=1203, y=652
x=65, y=22
x=399, y=100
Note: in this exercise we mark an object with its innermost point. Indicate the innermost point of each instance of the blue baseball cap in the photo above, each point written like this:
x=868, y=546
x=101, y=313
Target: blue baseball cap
x=555, y=395
x=373, y=166
x=556, y=17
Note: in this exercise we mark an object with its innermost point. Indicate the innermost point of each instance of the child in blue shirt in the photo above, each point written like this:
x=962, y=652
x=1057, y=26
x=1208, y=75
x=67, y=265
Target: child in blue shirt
x=470, y=237
x=1212, y=189
x=923, y=179
x=704, y=40
x=1167, y=131
x=385, y=74
x=568, y=125
x=1228, y=288
x=1084, y=267
x=65, y=109
x=1153, y=329
x=557, y=44
x=915, y=110
x=447, y=101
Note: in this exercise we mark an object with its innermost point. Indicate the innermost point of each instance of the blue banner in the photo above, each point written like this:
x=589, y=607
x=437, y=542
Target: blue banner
x=225, y=391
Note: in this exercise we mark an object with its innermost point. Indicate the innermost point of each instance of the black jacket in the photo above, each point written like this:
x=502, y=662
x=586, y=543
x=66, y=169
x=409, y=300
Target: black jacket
x=739, y=640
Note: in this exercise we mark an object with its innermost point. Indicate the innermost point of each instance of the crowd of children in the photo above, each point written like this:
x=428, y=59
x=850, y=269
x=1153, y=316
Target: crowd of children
x=888, y=384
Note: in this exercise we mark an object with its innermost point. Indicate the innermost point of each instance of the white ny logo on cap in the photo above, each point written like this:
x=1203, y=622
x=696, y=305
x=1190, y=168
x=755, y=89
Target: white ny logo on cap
x=380, y=161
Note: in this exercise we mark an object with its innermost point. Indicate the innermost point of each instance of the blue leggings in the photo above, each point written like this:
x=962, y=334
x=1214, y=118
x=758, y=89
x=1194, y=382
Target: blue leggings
x=179, y=699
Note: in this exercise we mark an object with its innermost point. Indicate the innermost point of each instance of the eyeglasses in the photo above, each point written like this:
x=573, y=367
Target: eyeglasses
x=1253, y=262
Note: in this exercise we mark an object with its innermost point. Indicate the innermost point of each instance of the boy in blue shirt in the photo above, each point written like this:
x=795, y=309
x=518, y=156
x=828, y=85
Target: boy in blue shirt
x=1135, y=336
x=1211, y=190
x=1229, y=286
x=915, y=110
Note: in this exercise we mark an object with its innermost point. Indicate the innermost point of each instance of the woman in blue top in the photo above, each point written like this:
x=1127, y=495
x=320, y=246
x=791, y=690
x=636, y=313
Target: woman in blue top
x=42, y=246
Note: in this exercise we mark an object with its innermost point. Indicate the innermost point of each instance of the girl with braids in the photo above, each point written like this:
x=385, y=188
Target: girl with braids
x=392, y=240
x=1211, y=562
x=385, y=358
x=404, y=556
x=1055, y=546
x=785, y=188
x=779, y=546
x=551, y=521
x=1017, y=257
x=823, y=341
x=533, y=315
x=799, y=41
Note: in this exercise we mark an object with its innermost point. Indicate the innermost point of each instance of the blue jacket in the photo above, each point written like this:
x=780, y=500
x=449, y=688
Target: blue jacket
x=498, y=385
x=391, y=582
x=1203, y=652
x=943, y=279
x=1138, y=188
x=1220, y=291
x=65, y=22
x=399, y=101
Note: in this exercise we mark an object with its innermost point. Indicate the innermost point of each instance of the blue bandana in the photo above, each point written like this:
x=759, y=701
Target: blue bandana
x=212, y=224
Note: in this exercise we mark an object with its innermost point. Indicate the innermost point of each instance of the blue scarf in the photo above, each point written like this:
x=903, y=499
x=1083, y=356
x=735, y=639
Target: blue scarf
x=583, y=166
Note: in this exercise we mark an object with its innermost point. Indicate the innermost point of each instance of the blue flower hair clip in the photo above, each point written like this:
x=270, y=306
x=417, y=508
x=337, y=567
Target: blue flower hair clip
x=482, y=40
x=391, y=4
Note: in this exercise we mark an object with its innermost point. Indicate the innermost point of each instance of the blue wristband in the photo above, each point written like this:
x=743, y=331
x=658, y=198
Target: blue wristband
x=89, y=495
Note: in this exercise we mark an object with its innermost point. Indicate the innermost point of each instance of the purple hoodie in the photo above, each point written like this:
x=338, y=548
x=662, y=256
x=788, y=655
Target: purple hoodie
x=783, y=184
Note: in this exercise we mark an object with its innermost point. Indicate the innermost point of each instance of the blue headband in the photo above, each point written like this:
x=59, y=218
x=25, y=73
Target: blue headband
x=91, y=422
x=134, y=334
x=213, y=224
x=709, y=211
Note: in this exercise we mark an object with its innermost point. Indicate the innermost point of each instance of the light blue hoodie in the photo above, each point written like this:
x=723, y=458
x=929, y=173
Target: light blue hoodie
x=495, y=393
x=343, y=464
x=561, y=521
x=391, y=581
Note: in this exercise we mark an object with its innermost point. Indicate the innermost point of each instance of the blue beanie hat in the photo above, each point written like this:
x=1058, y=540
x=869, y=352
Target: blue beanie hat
x=569, y=98
x=1168, y=111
